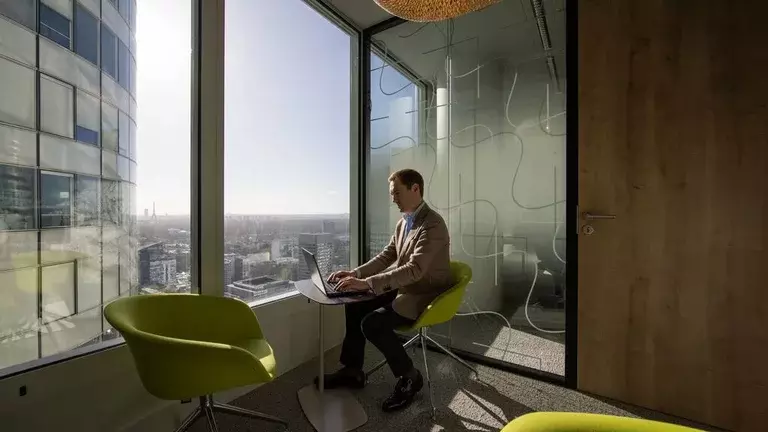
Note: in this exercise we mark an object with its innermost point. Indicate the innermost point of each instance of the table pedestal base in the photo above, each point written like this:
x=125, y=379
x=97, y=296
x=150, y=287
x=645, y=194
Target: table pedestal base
x=333, y=411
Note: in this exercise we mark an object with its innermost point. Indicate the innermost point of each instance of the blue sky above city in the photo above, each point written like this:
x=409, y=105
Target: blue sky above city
x=287, y=113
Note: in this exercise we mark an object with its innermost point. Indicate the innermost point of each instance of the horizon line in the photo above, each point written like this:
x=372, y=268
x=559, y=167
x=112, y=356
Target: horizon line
x=253, y=214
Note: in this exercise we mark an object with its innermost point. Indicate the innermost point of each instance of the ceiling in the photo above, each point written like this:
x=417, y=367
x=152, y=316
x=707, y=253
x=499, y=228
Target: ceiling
x=363, y=13
x=505, y=30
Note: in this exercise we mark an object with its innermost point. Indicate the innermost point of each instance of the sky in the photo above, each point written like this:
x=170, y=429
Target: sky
x=287, y=108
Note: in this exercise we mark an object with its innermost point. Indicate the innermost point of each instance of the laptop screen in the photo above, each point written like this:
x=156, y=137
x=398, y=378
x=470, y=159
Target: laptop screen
x=315, y=276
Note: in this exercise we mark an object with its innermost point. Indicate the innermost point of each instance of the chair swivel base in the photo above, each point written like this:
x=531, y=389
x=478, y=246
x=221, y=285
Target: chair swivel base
x=208, y=407
x=422, y=338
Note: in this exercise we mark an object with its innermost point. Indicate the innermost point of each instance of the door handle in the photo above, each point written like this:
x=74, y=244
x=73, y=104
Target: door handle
x=592, y=216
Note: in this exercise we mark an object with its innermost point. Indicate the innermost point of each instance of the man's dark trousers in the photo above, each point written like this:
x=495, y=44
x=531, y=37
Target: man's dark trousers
x=376, y=321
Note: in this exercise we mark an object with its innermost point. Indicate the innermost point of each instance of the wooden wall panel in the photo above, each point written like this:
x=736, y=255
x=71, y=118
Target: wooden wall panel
x=673, y=140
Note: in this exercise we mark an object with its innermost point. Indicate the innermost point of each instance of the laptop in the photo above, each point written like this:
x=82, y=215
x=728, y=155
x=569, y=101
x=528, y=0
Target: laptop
x=328, y=288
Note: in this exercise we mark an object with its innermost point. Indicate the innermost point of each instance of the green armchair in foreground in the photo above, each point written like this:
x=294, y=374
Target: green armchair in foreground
x=583, y=422
x=186, y=346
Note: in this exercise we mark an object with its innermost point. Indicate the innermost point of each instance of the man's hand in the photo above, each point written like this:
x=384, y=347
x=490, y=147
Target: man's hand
x=339, y=275
x=353, y=284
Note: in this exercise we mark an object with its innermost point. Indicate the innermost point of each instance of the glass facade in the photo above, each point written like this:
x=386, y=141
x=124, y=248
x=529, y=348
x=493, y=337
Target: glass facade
x=70, y=235
x=478, y=107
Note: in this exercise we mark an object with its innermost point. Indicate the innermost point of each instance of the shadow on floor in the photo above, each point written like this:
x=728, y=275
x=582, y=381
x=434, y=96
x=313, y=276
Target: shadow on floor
x=464, y=401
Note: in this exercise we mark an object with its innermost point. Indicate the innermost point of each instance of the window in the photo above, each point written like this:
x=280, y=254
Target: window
x=123, y=65
x=21, y=11
x=109, y=126
x=109, y=164
x=86, y=34
x=87, y=201
x=132, y=150
x=70, y=238
x=56, y=107
x=17, y=88
x=268, y=209
x=123, y=168
x=110, y=203
x=133, y=14
x=64, y=7
x=63, y=154
x=133, y=77
x=55, y=200
x=17, y=198
x=58, y=292
x=18, y=43
x=108, y=51
x=124, y=134
x=124, y=7
x=54, y=26
x=61, y=63
x=18, y=146
x=87, y=127
x=18, y=315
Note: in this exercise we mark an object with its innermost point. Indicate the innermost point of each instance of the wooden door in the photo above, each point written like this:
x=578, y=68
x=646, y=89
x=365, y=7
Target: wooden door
x=673, y=141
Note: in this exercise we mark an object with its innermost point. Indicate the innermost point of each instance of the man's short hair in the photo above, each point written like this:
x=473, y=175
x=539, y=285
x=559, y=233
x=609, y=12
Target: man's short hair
x=409, y=177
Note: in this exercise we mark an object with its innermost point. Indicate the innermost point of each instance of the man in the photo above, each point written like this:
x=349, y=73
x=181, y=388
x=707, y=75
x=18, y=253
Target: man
x=419, y=251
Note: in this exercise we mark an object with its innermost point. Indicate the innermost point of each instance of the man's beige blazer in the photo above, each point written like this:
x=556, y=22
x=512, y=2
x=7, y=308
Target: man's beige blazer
x=421, y=262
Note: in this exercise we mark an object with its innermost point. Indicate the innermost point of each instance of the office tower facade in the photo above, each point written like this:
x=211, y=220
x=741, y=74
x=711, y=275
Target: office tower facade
x=147, y=255
x=321, y=245
x=163, y=272
x=67, y=171
x=284, y=247
x=229, y=268
x=238, y=275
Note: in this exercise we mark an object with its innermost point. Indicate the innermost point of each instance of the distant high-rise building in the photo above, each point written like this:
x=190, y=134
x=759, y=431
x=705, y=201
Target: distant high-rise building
x=329, y=227
x=182, y=261
x=163, y=272
x=321, y=245
x=146, y=213
x=238, y=275
x=284, y=247
x=229, y=268
x=148, y=254
x=276, y=250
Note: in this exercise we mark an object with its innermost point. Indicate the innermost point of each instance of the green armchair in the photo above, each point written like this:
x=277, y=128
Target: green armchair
x=186, y=346
x=584, y=422
x=442, y=309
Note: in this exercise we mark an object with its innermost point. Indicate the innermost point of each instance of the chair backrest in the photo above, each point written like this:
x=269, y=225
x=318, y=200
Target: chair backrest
x=444, y=307
x=139, y=318
x=175, y=338
x=587, y=422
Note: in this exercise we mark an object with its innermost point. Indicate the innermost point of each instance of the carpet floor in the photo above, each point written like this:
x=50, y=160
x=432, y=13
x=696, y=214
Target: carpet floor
x=464, y=402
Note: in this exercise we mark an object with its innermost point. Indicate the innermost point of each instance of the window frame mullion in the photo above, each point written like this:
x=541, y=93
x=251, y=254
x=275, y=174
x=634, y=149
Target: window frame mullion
x=207, y=171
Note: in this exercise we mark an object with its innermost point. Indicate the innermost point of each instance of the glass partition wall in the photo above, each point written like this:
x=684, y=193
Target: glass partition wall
x=477, y=105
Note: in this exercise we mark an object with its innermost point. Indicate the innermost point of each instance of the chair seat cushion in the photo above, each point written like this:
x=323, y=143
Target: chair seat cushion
x=261, y=349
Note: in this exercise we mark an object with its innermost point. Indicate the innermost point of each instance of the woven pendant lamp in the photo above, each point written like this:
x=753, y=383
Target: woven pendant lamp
x=432, y=10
